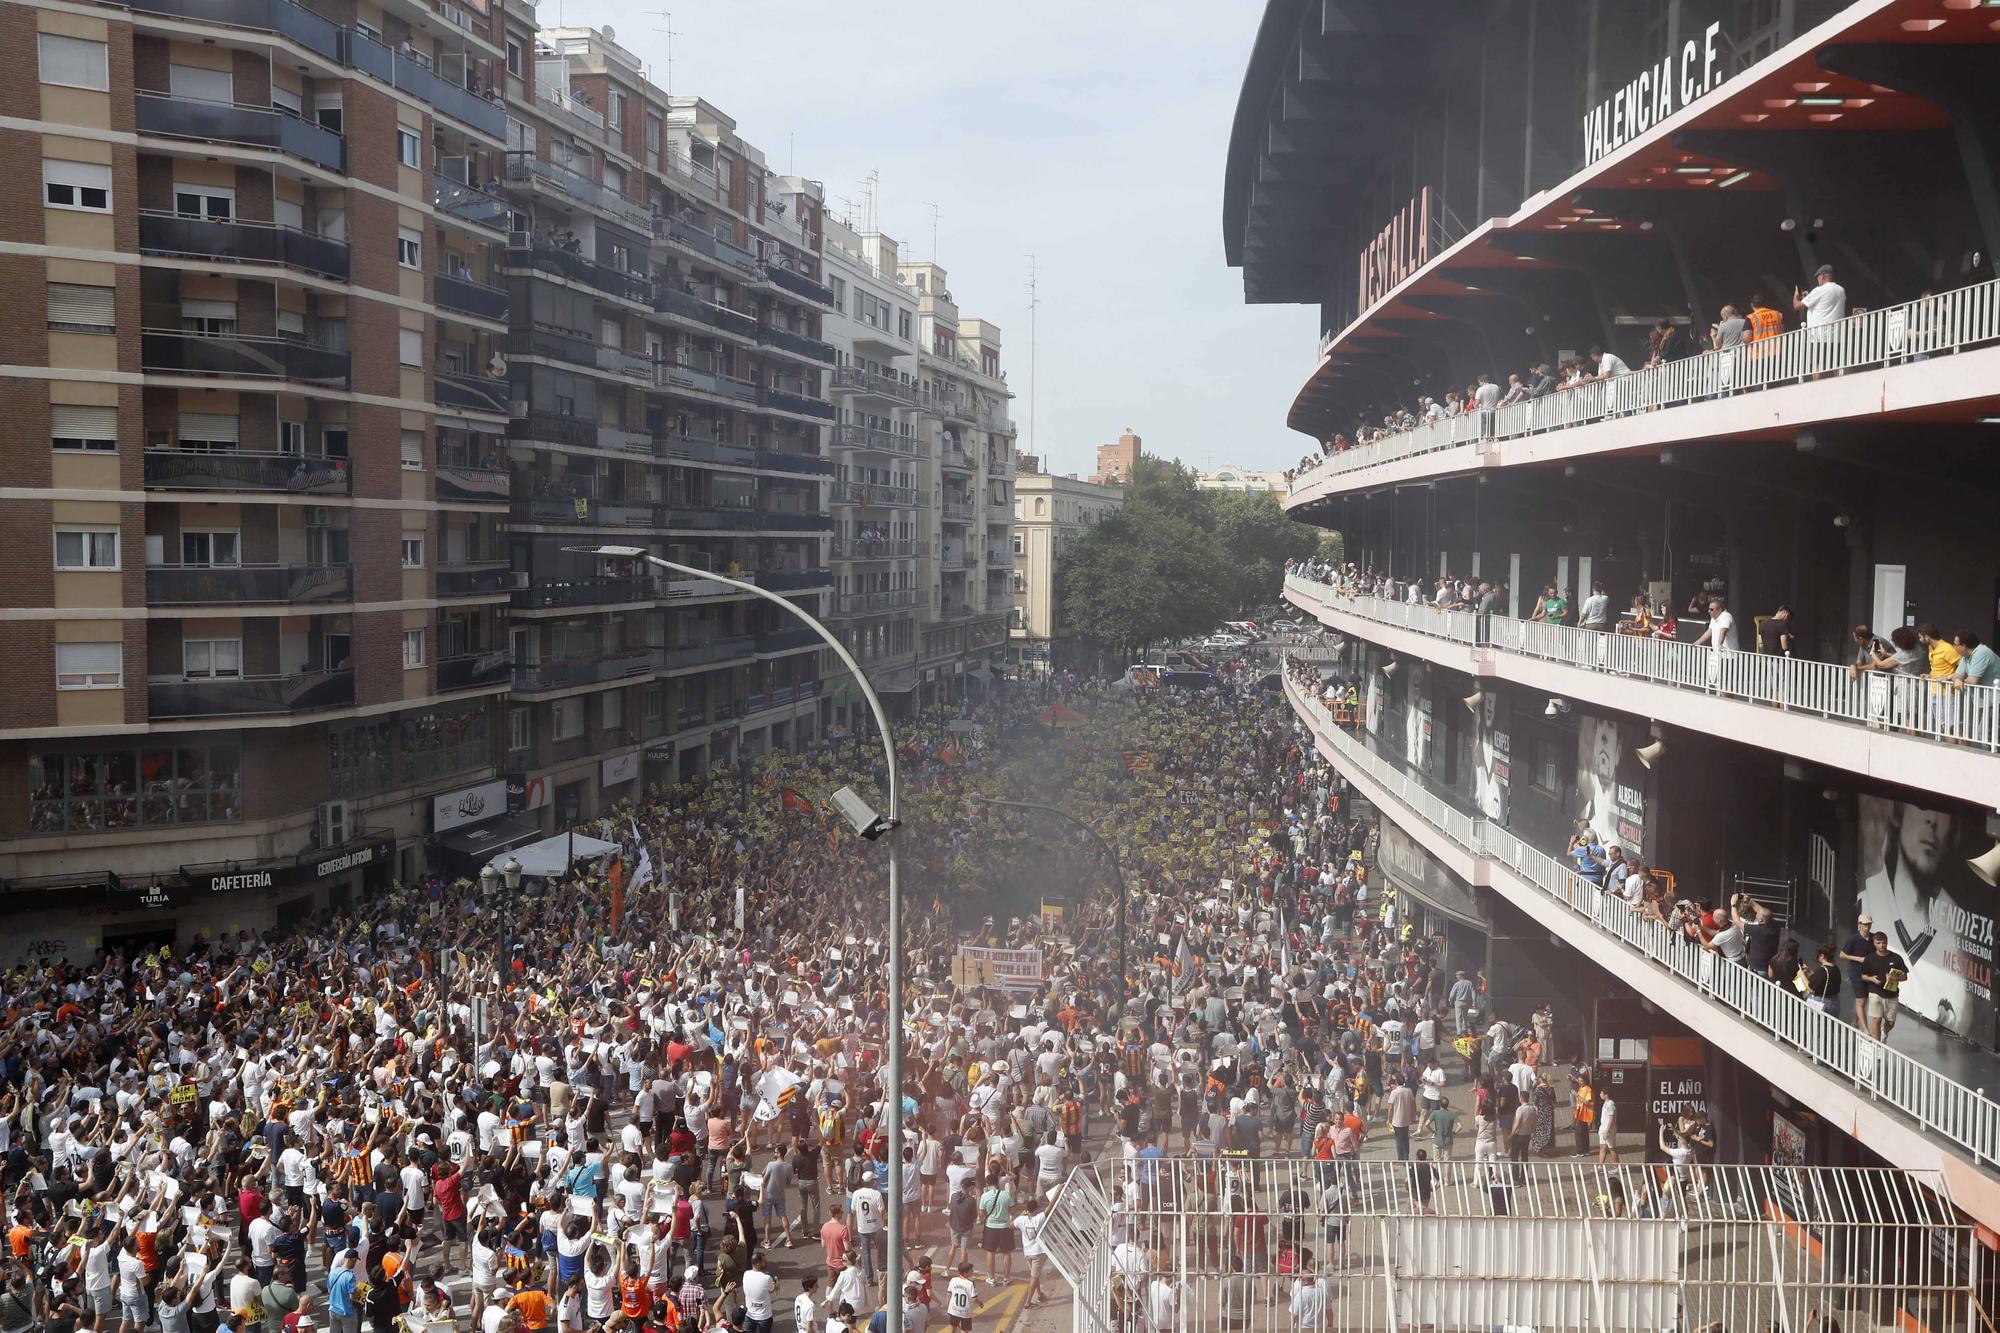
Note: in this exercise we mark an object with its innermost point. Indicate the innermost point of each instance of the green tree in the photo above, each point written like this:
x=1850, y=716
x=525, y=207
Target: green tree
x=1332, y=549
x=1257, y=539
x=1145, y=575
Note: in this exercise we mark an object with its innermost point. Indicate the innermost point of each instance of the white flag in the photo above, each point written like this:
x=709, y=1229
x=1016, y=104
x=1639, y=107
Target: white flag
x=642, y=876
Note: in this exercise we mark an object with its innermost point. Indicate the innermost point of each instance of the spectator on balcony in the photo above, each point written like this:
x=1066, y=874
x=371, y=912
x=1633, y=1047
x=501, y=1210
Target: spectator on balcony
x=1596, y=611
x=1942, y=657
x=1882, y=972
x=1730, y=330
x=1903, y=656
x=1820, y=981
x=1854, y=951
x=1674, y=342
x=1721, y=632
x=1764, y=321
x=1778, y=634
x=1761, y=934
x=1825, y=302
x=1487, y=395
x=1728, y=938
x=1517, y=392
x=1978, y=664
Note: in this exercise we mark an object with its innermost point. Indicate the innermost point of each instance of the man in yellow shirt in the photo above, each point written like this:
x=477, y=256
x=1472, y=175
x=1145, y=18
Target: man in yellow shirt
x=1944, y=657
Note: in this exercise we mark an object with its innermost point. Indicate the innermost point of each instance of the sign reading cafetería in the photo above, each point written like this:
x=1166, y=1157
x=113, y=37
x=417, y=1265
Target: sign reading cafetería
x=1402, y=247
x=1673, y=84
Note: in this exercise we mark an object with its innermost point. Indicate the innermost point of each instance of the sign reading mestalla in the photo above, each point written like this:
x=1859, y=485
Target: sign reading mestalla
x=1675, y=83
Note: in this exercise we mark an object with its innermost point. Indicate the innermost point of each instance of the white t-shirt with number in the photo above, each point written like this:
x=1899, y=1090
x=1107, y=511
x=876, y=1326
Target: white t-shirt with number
x=958, y=1298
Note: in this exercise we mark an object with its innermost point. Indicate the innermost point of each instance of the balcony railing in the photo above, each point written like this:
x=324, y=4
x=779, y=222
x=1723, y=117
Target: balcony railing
x=473, y=485
x=475, y=578
x=1908, y=705
x=471, y=671
x=716, y=650
x=175, y=352
x=608, y=278
x=226, y=122
x=958, y=560
x=193, y=585
x=586, y=511
x=249, y=696
x=242, y=470
x=632, y=365
x=1000, y=556
x=872, y=493
x=557, y=675
x=796, y=342
x=524, y=166
x=455, y=291
x=870, y=603
x=576, y=432
x=785, y=401
x=793, y=580
x=413, y=77
x=542, y=594
x=702, y=242
x=704, y=451
x=472, y=393
x=999, y=467
x=468, y=204
x=687, y=305
x=798, y=284
x=735, y=519
x=804, y=465
x=287, y=20
x=854, y=379
x=163, y=233
x=789, y=639
x=957, y=459
x=856, y=548
x=1941, y=1106
x=882, y=441
x=956, y=509
x=1896, y=335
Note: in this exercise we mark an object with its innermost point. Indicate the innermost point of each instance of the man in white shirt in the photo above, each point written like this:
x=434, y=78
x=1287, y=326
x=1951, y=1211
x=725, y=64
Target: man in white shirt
x=1824, y=305
x=805, y=1311
x=758, y=1291
x=868, y=1208
x=1308, y=1306
x=959, y=1295
x=1721, y=632
x=1610, y=366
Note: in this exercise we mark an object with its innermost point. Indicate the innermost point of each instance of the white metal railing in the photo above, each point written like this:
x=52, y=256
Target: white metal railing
x=1964, y=1115
x=1917, y=706
x=1929, y=326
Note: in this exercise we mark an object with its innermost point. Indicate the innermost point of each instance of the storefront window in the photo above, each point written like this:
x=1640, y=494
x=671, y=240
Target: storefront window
x=441, y=741
x=361, y=759
x=97, y=791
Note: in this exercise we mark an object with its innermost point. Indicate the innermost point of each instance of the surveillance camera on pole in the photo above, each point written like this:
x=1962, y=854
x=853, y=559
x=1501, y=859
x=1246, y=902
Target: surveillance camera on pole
x=860, y=814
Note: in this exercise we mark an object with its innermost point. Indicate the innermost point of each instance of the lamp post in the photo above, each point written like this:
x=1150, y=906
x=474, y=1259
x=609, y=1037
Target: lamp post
x=893, y=1270
x=1111, y=854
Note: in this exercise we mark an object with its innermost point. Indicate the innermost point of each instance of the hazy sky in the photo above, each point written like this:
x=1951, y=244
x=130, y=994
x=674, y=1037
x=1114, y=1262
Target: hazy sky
x=1089, y=133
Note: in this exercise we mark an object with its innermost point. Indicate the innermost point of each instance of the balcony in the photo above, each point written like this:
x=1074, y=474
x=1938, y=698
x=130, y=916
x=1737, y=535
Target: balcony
x=687, y=305
x=1909, y=730
x=571, y=672
x=242, y=242
x=619, y=440
x=522, y=166
x=783, y=401
x=542, y=595
x=958, y=559
x=696, y=379
x=251, y=126
x=679, y=231
x=957, y=510
x=856, y=548
x=873, y=493
x=803, y=465
x=1925, y=329
x=631, y=365
x=793, y=580
x=704, y=451
x=473, y=485
x=475, y=578
x=716, y=650
x=881, y=441
x=240, y=470
x=874, y=384
x=1001, y=557
x=426, y=84
x=735, y=519
x=196, y=585
x=787, y=640
x=472, y=671
x=249, y=696
x=799, y=285
x=575, y=432
x=471, y=393
x=276, y=16
x=873, y=603
x=998, y=466
x=956, y=459
x=174, y=352
x=468, y=204
x=786, y=340
x=455, y=291
x=951, y=407
x=1820, y=1059
x=585, y=511
x=606, y=278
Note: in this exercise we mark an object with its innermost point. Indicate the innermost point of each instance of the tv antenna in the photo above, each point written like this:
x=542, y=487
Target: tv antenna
x=936, y=213
x=1034, y=301
x=667, y=30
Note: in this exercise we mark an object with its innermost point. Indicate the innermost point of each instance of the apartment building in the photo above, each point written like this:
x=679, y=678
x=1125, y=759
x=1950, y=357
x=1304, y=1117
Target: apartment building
x=1678, y=552
x=257, y=610
x=1050, y=512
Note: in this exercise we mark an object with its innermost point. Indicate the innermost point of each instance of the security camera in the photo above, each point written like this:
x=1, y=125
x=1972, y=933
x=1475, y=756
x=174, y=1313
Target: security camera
x=860, y=814
x=1557, y=707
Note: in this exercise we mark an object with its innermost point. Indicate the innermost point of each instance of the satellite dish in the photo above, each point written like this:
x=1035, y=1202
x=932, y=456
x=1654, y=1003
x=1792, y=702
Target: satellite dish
x=610, y=33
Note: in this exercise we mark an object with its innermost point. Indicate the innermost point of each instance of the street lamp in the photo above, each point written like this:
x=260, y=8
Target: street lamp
x=1110, y=853
x=893, y=1276
x=511, y=869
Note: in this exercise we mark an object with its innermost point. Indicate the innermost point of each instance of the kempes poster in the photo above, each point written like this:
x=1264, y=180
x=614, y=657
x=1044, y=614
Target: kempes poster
x=1912, y=879
x=1610, y=781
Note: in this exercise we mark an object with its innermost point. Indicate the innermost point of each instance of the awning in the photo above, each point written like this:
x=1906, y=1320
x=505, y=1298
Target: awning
x=482, y=842
x=551, y=856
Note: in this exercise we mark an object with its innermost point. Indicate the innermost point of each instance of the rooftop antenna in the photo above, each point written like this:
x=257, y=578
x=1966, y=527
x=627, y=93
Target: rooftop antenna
x=1034, y=300
x=869, y=185
x=936, y=213
x=667, y=31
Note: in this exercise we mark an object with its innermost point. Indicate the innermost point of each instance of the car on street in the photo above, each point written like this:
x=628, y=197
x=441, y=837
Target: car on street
x=1222, y=643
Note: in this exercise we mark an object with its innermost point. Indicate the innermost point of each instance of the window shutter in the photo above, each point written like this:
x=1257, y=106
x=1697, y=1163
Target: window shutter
x=210, y=427
x=75, y=305
x=208, y=309
x=73, y=62
x=68, y=421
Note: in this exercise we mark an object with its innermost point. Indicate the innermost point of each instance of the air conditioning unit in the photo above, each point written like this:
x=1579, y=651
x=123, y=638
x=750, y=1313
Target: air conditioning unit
x=319, y=516
x=335, y=824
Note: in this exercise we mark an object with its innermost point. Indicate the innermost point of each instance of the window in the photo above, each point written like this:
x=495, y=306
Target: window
x=413, y=553
x=513, y=57
x=85, y=186
x=201, y=85
x=73, y=62
x=413, y=647
x=209, y=432
x=217, y=319
x=410, y=347
x=839, y=286
x=614, y=178
x=212, y=659
x=359, y=759
x=86, y=548
x=520, y=729
x=652, y=136
x=409, y=248
x=217, y=549
x=214, y=203
x=615, y=116
x=76, y=307
x=614, y=711
x=90, y=666
x=1548, y=772
x=286, y=100
x=88, y=428
x=118, y=789
x=654, y=702
x=409, y=149
x=903, y=325
x=413, y=451
x=566, y=719
x=1017, y=544
x=445, y=740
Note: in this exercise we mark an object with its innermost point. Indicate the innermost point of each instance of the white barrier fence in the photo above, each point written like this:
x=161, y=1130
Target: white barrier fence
x=1914, y=331
x=1908, y=705
x=1267, y=1244
x=1964, y=1115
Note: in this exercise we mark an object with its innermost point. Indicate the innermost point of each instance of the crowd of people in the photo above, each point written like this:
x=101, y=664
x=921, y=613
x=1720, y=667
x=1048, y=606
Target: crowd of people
x=614, y=1101
x=1818, y=305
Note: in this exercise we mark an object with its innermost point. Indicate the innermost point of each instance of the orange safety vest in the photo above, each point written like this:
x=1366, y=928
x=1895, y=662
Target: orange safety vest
x=1585, y=1110
x=1764, y=323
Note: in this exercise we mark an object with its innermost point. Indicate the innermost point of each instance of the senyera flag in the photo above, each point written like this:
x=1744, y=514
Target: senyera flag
x=791, y=800
x=1137, y=760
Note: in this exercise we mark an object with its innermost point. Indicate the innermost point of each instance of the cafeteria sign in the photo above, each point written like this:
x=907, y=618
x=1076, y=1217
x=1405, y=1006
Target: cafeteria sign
x=1009, y=969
